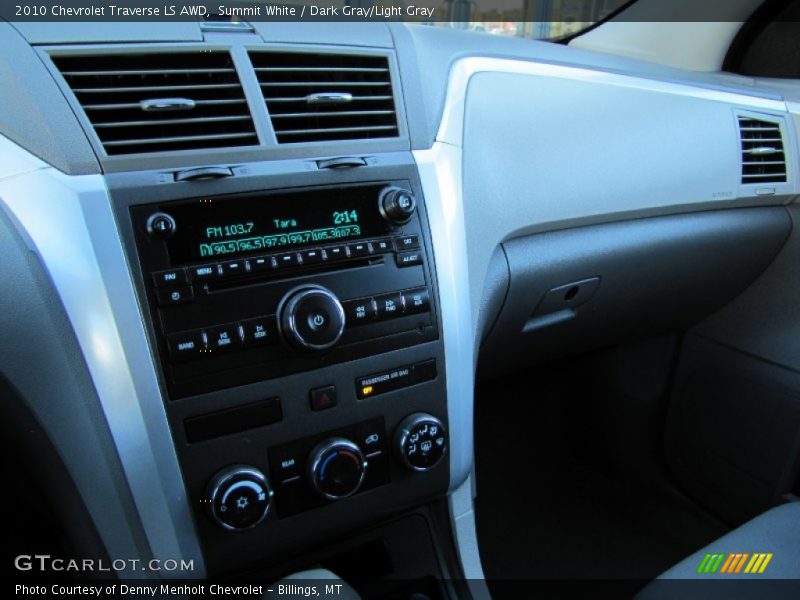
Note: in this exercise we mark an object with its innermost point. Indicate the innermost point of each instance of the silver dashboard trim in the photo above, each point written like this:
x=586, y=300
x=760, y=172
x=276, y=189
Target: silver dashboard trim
x=440, y=175
x=69, y=223
x=451, y=127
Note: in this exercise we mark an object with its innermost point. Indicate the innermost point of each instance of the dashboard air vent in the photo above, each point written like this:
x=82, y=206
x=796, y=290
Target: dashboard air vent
x=324, y=97
x=161, y=102
x=763, y=158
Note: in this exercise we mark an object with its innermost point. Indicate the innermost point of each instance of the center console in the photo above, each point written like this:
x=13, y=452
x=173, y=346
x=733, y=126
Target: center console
x=295, y=321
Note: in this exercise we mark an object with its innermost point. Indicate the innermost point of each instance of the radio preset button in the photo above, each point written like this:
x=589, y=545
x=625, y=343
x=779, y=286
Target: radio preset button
x=408, y=259
x=286, y=260
x=360, y=312
x=389, y=306
x=185, y=345
x=262, y=263
x=416, y=301
x=406, y=242
x=336, y=253
x=311, y=257
x=359, y=249
x=170, y=277
x=234, y=267
x=204, y=272
x=259, y=331
x=222, y=337
x=175, y=296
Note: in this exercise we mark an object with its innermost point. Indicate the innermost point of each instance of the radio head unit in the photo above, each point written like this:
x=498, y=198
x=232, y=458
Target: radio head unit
x=253, y=286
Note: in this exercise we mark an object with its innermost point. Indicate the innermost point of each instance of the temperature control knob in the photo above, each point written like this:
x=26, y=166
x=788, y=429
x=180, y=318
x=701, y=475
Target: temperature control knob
x=420, y=441
x=238, y=497
x=336, y=468
x=311, y=318
x=397, y=205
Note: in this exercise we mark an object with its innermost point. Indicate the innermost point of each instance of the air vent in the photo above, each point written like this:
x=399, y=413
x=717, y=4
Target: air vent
x=763, y=160
x=322, y=97
x=161, y=102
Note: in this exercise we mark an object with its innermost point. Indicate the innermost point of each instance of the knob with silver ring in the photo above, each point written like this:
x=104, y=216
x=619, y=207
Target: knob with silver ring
x=420, y=442
x=396, y=205
x=311, y=318
x=336, y=468
x=238, y=497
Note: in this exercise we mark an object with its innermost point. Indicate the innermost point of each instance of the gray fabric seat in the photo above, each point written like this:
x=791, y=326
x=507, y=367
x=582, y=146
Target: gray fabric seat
x=775, y=532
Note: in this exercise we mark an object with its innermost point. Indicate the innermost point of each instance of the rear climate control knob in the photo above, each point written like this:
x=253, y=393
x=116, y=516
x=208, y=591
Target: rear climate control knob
x=238, y=497
x=336, y=468
x=420, y=441
x=311, y=318
x=396, y=205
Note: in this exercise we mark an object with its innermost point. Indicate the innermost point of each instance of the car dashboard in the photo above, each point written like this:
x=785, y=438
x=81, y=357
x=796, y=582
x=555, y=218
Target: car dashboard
x=264, y=266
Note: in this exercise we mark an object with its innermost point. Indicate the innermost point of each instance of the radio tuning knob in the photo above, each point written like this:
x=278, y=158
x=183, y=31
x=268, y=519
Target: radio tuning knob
x=396, y=205
x=311, y=318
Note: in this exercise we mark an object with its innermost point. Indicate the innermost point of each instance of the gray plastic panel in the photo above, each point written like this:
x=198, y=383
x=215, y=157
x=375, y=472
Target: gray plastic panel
x=655, y=274
x=35, y=113
x=94, y=33
x=764, y=320
x=340, y=34
x=733, y=430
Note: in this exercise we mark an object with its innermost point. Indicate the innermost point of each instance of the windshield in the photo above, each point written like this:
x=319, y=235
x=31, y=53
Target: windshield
x=535, y=19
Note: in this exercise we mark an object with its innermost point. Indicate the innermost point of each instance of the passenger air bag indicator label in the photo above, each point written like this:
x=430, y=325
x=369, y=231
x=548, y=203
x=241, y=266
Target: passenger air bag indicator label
x=387, y=381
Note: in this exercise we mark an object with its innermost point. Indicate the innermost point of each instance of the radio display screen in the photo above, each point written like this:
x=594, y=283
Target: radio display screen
x=228, y=227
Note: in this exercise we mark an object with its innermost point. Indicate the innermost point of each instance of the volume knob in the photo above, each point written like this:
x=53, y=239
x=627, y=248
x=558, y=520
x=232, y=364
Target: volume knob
x=311, y=318
x=396, y=205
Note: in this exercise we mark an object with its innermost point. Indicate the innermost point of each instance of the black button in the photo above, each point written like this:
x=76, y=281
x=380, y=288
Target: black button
x=416, y=301
x=389, y=305
x=359, y=249
x=170, y=277
x=286, y=260
x=336, y=253
x=262, y=263
x=176, y=296
x=409, y=259
x=312, y=256
x=359, y=312
x=260, y=331
x=424, y=371
x=322, y=398
x=222, y=337
x=203, y=272
x=234, y=267
x=406, y=242
x=382, y=245
x=185, y=345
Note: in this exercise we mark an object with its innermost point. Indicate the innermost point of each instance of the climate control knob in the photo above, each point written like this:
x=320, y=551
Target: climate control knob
x=238, y=497
x=336, y=468
x=420, y=441
x=396, y=205
x=311, y=318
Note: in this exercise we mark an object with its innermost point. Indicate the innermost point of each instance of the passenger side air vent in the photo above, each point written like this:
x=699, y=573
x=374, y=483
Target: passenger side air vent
x=763, y=159
x=323, y=97
x=161, y=102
